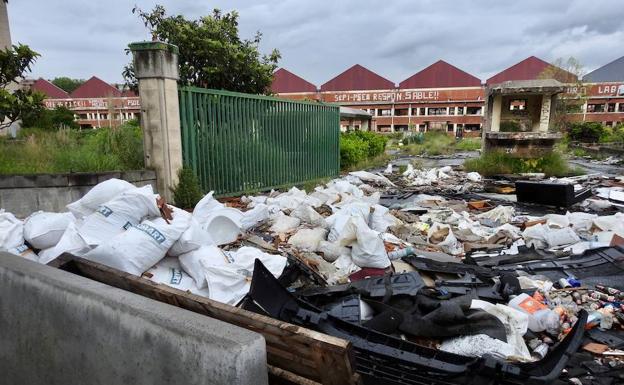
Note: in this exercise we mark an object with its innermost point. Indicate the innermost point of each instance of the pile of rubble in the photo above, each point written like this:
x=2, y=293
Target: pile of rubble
x=428, y=280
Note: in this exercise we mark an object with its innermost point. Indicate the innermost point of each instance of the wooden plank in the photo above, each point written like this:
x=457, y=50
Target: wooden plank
x=288, y=377
x=295, y=349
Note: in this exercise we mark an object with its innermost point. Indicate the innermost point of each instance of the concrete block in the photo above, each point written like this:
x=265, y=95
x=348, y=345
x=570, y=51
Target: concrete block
x=60, y=329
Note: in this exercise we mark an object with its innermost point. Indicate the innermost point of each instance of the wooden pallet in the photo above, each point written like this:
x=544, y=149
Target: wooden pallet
x=294, y=354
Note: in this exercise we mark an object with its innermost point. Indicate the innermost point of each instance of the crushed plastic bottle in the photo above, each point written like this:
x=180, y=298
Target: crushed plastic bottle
x=541, y=318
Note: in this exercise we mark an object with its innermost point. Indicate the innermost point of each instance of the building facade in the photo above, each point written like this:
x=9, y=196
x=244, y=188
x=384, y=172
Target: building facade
x=95, y=104
x=444, y=97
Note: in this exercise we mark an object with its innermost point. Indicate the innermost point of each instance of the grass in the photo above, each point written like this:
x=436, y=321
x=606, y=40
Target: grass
x=439, y=143
x=38, y=151
x=368, y=163
x=495, y=162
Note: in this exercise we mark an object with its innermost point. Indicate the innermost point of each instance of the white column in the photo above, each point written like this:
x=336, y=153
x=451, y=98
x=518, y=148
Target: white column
x=545, y=113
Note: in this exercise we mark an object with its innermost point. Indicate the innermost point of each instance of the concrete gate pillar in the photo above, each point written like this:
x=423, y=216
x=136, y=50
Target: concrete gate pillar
x=156, y=68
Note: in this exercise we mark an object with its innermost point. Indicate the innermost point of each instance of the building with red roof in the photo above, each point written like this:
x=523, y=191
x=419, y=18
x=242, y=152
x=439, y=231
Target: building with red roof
x=286, y=82
x=532, y=68
x=440, y=75
x=49, y=89
x=357, y=78
x=95, y=88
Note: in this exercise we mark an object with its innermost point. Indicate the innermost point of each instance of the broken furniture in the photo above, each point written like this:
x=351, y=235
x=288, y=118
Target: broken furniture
x=550, y=193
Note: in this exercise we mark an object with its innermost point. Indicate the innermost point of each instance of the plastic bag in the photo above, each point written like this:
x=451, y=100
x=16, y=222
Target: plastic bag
x=97, y=196
x=43, y=230
x=442, y=236
x=478, y=345
x=11, y=231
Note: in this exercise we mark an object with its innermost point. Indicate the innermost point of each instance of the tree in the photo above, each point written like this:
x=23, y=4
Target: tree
x=14, y=62
x=212, y=54
x=569, y=71
x=60, y=117
x=67, y=84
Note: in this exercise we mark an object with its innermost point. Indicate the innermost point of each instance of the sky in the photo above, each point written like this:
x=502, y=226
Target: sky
x=318, y=39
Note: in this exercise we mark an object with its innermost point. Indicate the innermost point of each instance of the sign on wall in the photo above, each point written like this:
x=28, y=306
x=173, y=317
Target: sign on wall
x=93, y=103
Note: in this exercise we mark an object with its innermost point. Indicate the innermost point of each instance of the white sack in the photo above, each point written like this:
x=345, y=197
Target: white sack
x=561, y=237
x=284, y=223
x=388, y=169
x=169, y=272
x=308, y=215
x=205, y=207
x=141, y=246
x=449, y=244
x=259, y=213
x=473, y=176
x=308, y=239
x=127, y=209
x=24, y=252
x=98, y=195
x=332, y=250
x=191, y=239
x=477, y=346
x=339, y=219
x=43, y=230
x=502, y=214
x=369, y=249
x=381, y=219
x=11, y=231
x=370, y=177
x=535, y=236
x=70, y=242
x=191, y=262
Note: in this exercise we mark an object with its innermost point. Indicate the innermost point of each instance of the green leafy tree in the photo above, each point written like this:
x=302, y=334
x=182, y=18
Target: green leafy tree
x=570, y=72
x=67, y=84
x=187, y=192
x=60, y=117
x=14, y=62
x=212, y=54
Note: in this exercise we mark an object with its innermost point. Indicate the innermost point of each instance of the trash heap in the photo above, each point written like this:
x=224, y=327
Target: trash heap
x=428, y=283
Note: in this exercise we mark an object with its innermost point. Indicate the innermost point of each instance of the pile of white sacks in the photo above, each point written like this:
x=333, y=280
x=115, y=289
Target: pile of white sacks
x=120, y=225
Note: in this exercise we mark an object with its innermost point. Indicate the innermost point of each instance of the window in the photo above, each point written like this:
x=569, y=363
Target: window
x=82, y=116
x=573, y=108
x=356, y=127
x=422, y=111
x=422, y=127
x=460, y=110
x=609, y=124
x=621, y=107
x=385, y=112
x=449, y=127
x=473, y=110
x=401, y=112
x=103, y=116
x=451, y=111
x=611, y=107
x=595, y=108
x=400, y=128
x=384, y=128
x=437, y=110
x=517, y=105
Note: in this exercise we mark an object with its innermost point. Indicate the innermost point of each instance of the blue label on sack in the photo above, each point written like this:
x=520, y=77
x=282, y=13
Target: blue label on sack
x=21, y=249
x=176, y=276
x=127, y=226
x=152, y=232
x=104, y=211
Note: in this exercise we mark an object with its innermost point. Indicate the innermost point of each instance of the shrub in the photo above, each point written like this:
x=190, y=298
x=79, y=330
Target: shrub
x=187, y=192
x=376, y=142
x=498, y=162
x=586, y=131
x=352, y=150
x=60, y=117
x=510, y=126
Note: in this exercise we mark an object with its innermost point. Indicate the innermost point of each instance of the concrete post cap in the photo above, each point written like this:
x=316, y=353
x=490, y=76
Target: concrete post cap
x=153, y=46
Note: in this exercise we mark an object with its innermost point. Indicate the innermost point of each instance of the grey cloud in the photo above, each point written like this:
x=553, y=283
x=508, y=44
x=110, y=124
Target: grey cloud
x=321, y=38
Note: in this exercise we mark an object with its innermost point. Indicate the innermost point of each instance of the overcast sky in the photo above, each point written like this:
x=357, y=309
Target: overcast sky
x=320, y=38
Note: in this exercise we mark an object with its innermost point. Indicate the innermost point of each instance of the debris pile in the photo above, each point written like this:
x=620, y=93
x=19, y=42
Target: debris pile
x=428, y=278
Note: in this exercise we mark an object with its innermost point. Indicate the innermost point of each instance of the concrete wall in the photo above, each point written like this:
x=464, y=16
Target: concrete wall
x=5, y=30
x=25, y=194
x=57, y=328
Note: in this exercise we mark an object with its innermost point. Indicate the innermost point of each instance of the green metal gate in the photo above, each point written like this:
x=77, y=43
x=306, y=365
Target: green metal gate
x=239, y=143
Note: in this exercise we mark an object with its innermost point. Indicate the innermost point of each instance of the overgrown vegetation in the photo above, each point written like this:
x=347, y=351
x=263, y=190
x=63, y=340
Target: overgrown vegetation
x=58, y=118
x=498, y=162
x=359, y=146
x=212, y=54
x=594, y=132
x=187, y=192
x=438, y=143
x=38, y=150
x=510, y=126
x=67, y=84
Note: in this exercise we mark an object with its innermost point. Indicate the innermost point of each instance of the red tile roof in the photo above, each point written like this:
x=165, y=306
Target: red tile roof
x=530, y=69
x=49, y=89
x=440, y=75
x=95, y=88
x=285, y=82
x=357, y=78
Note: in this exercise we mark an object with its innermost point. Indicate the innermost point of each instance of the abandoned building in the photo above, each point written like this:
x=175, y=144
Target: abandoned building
x=519, y=114
x=444, y=97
